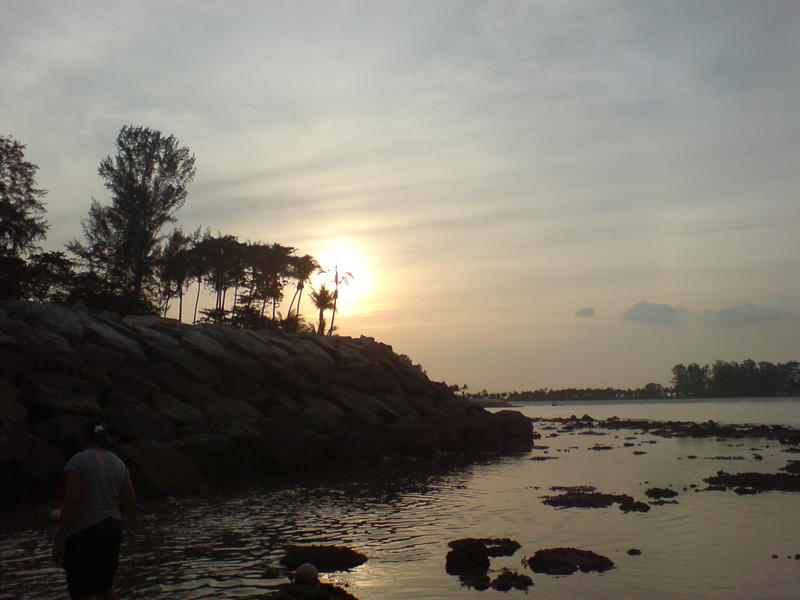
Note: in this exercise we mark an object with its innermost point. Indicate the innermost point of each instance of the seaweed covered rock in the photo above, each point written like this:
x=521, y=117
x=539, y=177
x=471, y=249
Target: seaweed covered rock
x=754, y=483
x=586, y=497
x=322, y=591
x=510, y=579
x=658, y=493
x=565, y=561
x=469, y=558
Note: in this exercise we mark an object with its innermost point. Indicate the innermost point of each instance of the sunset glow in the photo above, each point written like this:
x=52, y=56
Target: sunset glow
x=349, y=259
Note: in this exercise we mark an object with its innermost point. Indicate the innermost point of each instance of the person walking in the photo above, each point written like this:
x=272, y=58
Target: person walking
x=89, y=531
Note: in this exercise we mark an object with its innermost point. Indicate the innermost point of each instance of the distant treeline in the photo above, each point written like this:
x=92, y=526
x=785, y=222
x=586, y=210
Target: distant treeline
x=722, y=380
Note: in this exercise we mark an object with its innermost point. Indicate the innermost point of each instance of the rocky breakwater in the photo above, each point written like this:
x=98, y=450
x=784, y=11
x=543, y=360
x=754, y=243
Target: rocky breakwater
x=190, y=406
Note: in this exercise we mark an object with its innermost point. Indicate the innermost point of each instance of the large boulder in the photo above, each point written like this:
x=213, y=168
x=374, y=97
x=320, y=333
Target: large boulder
x=11, y=411
x=159, y=469
x=29, y=467
x=61, y=432
x=179, y=412
x=132, y=421
x=53, y=317
x=235, y=417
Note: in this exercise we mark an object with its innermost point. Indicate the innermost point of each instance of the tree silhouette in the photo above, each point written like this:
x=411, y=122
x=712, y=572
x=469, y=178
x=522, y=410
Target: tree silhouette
x=21, y=205
x=225, y=268
x=302, y=268
x=269, y=269
x=21, y=216
x=147, y=179
x=174, y=267
x=323, y=300
x=337, y=279
x=50, y=276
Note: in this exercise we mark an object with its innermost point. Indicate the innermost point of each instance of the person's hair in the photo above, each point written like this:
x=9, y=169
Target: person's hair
x=96, y=432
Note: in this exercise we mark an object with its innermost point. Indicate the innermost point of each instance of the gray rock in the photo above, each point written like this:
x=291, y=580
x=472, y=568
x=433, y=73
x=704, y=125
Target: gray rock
x=134, y=381
x=12, y=413
x=189, y=365
x=321, y=415
x=184, y=388
x=201, y=342
x=100, y=357
x=153, y=338
x=159, y=468
x=131, y=422
x=235, y=417
x=105, y=335
x=180, y=412
x=29, y=467
x=62, y=433
x=55, y=318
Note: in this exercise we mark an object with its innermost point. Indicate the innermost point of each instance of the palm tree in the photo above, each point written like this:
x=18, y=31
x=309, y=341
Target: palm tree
x=225, y=267
x=323, y=300
x=175, y=267
x=269, y=269
x=303, y=267
x=337, y=279
x=199, y=265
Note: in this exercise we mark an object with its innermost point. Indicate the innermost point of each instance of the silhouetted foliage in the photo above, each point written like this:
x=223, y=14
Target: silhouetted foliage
x=21, y=202
x=323, y=300
x=147, y=179
x=723, y=380
x=49, y=276
x=175, y=267
x=338, y=278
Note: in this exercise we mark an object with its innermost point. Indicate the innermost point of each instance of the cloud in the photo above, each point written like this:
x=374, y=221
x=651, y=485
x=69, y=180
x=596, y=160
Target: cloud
x=745, y=314
x=654, y=314
x=587, y=311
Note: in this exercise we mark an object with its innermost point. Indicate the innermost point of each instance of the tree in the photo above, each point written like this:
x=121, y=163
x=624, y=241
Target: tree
x=148, y=181
x=175, y=267
x=323, y=300
x=21, y=205
x=337, y=279
x=50, y=276
x=303, y=267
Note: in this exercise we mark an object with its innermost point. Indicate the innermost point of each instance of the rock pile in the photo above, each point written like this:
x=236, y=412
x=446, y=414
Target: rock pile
x=193, y=405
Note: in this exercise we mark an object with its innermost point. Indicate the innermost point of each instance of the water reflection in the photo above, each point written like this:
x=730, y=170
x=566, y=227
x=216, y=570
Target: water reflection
x=710, y=545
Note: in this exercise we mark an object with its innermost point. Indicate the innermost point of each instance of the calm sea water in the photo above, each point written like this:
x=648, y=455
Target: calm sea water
x=709, y=545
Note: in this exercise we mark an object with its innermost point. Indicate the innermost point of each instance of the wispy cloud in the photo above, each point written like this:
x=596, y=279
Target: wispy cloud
x=654, y=314
x=585, y=312
x=745, y=314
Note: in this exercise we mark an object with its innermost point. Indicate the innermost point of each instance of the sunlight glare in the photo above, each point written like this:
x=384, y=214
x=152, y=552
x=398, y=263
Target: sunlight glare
x=349, y=259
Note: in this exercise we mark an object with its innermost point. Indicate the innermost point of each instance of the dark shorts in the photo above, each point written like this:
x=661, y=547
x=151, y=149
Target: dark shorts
x=91, y=557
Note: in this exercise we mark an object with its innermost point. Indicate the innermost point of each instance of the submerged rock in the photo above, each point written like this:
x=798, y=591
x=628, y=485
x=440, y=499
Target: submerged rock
x=324, y=558
x=754, y=483
x=565, y=561
x=322, y=591
x=469, y=558
x=510, y=579
x=586, y=497
x=656, y=493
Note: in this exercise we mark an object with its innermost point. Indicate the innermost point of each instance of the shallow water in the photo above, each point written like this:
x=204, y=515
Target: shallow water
x=710, y=545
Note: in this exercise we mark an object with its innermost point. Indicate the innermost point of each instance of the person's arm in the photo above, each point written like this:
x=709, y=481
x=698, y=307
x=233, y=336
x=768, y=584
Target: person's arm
x=127, y=495
x=69, y=510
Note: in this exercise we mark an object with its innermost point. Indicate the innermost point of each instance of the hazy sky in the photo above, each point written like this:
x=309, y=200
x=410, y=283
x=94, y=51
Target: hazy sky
x=530, y=194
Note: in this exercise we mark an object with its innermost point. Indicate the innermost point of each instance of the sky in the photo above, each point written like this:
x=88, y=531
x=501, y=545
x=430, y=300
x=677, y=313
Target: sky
x=528, y=194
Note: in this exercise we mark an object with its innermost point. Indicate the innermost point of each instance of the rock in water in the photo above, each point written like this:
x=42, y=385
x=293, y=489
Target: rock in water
x=306, y=574
x=565, y=561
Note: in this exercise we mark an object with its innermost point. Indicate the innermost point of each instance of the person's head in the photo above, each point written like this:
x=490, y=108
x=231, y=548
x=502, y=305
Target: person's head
x=95, y=433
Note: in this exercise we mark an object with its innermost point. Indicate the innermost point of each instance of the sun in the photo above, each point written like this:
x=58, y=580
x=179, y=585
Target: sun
x=349, y=260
